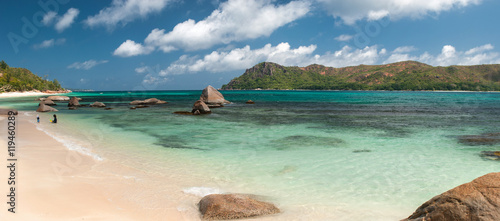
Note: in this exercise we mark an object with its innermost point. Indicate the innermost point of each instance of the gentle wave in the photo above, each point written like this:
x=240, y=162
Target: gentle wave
x=201, y=191
x=68, y=144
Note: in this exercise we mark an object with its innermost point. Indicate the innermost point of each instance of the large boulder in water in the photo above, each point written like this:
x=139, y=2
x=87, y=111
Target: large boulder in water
x=477, y=200
x=98, y=104
x=58, y=98
x=149, y=101
x=154, y=101
x=73, y=102
x=44, y=108
x=199, y=107
x=49, y=102
x=234, y=206
x=212, y=97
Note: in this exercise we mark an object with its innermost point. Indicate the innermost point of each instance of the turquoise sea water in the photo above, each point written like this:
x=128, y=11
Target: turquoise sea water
x=326, y=155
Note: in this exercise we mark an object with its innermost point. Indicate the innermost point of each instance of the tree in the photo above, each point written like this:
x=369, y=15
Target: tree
x=3, y=65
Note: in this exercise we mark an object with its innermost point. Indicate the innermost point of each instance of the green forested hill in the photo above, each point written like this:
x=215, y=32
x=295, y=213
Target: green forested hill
x=21, y=79
x=407, y=75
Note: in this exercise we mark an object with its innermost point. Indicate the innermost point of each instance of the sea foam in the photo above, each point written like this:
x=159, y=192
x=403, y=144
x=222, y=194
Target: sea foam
x=201, y=191
x=67, y=143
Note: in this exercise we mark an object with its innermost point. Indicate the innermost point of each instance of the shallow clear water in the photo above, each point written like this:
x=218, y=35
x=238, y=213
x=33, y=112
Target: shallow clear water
x=333, y=155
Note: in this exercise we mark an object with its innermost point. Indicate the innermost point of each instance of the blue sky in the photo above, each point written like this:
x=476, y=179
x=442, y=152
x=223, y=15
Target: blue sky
x=179, y=44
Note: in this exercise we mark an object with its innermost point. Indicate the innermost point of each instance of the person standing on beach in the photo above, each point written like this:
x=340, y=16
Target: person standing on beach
x=37, y=118
x=55, y=119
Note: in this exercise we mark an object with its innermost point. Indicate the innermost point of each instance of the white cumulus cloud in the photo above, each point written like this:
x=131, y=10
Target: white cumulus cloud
x=125, y=11
x=243, y=58
x=61, y=22
x=131, y=48
x=404, y=49
x=142, y=69
x=450, y=56
x=49, y=18
x=234, y=20
x=486, y=47
x=344, y=37
x=86, y=65
x=354, y=10
x=50, y=43
x=67, y=19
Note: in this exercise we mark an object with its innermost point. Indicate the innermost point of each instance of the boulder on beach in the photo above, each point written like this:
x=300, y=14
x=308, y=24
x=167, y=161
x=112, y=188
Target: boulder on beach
x=234, y=206
x=476, y=200
x=45, y=108
x=212, y=97
x=73, y=102
x=58, y=98
x=6, y=111
x=98, y=104
x=199, y=107
x=150, y=101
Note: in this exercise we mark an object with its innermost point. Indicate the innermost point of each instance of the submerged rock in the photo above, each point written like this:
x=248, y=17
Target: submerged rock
x=183, y=113
x=287, y=169
x=199, y=107
x=150, y=101
x=72, y=108
x=476, y=200
x=490, y=155
x=58, y=98
x=250, y=102
x=482, y=139
x=45, y=108
x=98, y=104
x=234, y=206
x=361, y=151
x=73, y=102
x=306, y=141
x=212, y=97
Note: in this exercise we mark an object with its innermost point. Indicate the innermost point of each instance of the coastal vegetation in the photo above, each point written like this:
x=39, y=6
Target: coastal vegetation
x=407, y=75
x=21, y=79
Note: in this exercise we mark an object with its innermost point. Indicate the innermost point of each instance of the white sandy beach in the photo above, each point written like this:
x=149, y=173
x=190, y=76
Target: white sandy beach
x=54, y=183
x=23, y=94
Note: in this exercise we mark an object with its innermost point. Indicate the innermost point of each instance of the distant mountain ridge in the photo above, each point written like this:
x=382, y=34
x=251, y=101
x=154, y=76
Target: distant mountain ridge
x=406, y=75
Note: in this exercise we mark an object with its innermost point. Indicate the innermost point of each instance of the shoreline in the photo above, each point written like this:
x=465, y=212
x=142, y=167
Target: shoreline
x=56, y=183
x=30, y=93
x=458, y=91
x=129, y=185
